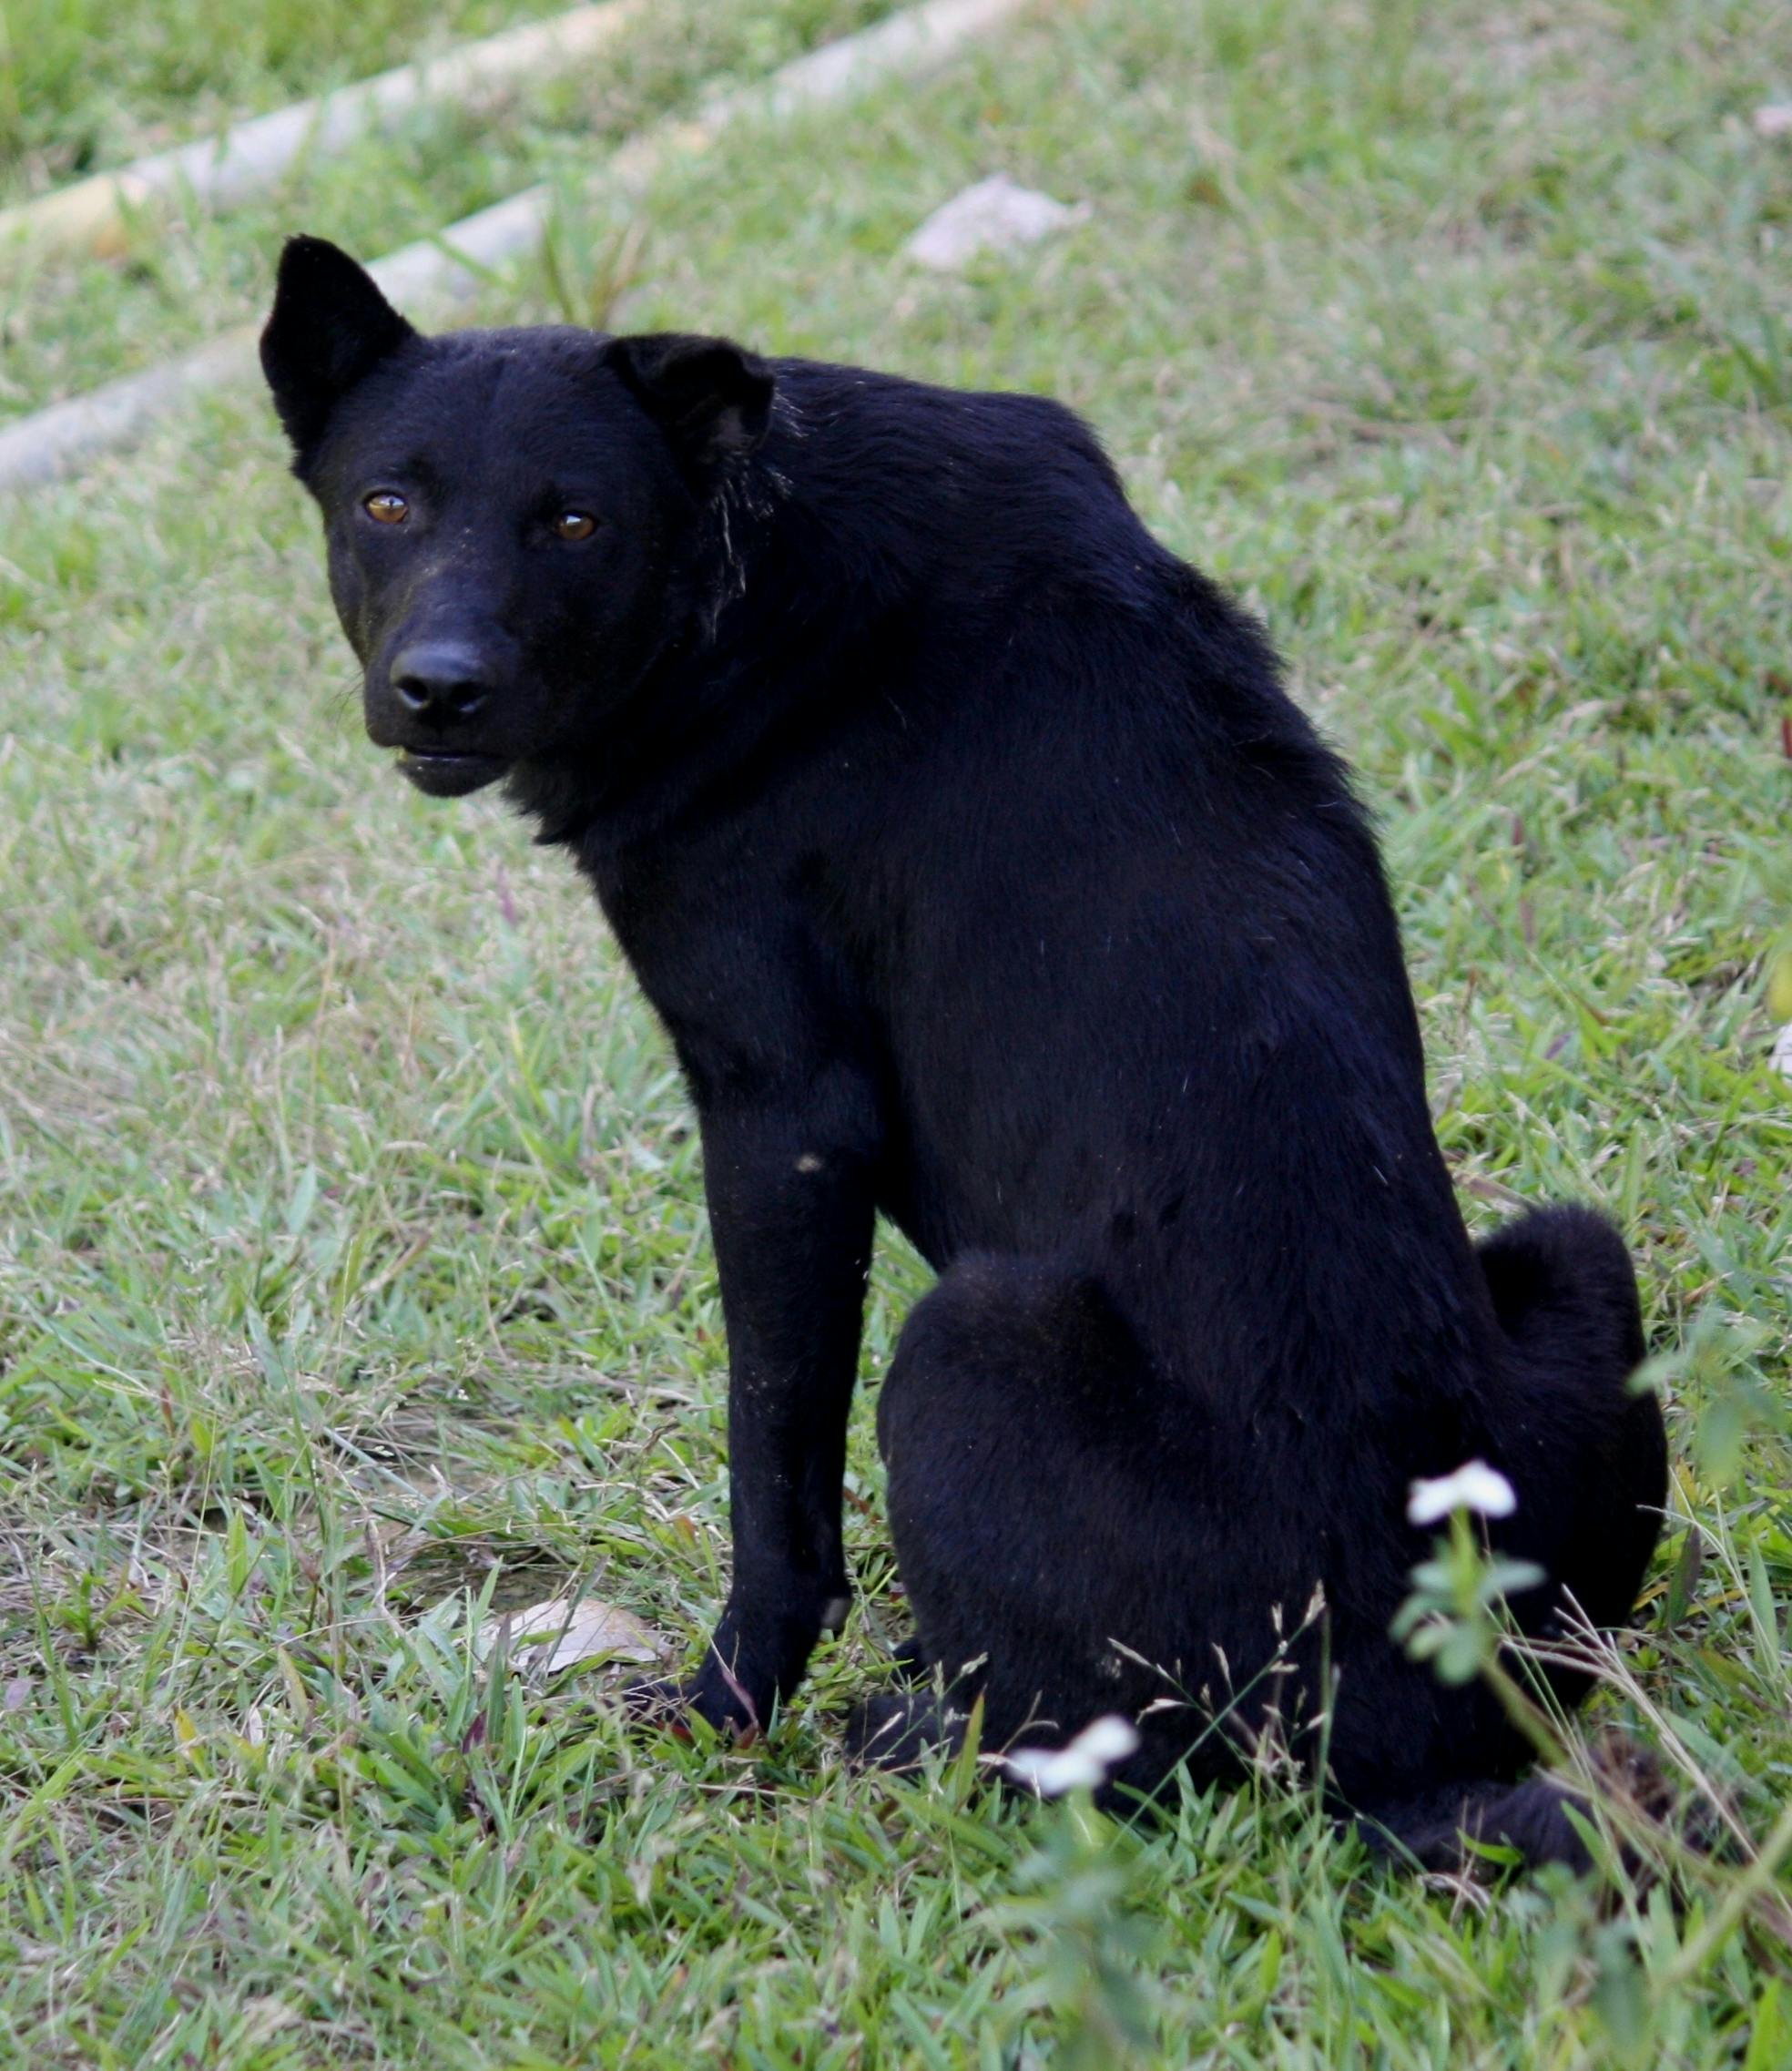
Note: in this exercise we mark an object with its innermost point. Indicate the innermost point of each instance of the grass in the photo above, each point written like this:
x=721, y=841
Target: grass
x=69, y=323
x=354, y=1275
x=91, y=85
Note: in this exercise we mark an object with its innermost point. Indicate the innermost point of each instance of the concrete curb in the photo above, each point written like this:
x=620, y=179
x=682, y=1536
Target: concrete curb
x=94, y=214
x=437, y=272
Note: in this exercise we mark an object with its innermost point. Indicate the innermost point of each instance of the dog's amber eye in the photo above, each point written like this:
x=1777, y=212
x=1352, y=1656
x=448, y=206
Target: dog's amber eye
x=574, y=524
x=387, y=505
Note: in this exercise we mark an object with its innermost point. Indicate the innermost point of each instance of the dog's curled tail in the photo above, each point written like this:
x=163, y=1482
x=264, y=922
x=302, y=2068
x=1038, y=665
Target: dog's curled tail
x=1537, y=1817
x=1531, y=1817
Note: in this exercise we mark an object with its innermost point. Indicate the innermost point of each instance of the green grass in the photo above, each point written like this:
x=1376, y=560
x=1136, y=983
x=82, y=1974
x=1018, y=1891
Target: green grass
x=68, y=324
x=91, y=83
x=352, y=1260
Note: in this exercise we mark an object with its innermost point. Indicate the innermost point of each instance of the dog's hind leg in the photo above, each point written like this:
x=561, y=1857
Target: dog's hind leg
x=1037, y=1515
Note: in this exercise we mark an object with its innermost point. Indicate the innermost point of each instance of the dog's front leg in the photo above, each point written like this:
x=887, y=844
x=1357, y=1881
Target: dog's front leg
x=790, y=1185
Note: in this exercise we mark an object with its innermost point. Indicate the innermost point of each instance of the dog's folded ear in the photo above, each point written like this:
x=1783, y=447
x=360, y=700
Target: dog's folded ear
x=331, y=326
x=711, y=397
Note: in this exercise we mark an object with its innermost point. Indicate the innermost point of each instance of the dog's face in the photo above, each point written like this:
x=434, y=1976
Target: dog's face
x=512, y=516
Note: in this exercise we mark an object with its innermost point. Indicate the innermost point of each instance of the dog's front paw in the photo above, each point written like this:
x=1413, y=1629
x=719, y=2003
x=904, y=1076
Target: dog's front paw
x=717, y=1695
x=659, y=1702
x=756, y=1656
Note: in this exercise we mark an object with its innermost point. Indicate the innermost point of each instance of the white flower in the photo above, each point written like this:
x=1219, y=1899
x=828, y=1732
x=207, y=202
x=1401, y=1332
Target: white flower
x=1082, y=1764
x=1476, y=1486
x=1781, y=1058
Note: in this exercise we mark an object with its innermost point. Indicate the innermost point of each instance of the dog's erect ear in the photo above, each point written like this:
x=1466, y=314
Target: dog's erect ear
x=711, y=398
x=331, y=325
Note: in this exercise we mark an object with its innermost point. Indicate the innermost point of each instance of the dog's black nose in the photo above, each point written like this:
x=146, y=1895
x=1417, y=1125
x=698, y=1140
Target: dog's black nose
x=441, y=679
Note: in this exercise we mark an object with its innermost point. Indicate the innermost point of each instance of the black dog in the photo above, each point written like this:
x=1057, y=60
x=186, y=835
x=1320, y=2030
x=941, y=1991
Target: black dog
x=985, y=876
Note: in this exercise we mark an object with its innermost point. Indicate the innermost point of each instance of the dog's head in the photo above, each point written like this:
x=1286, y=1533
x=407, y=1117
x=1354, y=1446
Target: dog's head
x=512, y=516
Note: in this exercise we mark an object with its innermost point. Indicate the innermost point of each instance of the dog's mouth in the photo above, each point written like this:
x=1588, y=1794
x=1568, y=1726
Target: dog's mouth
x=444, y=775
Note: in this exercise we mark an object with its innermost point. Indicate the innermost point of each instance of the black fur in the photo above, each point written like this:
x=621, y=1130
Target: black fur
x=986, y=878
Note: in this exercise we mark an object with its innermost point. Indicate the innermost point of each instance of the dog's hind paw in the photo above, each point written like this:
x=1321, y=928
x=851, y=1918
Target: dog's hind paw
x=896, y=1730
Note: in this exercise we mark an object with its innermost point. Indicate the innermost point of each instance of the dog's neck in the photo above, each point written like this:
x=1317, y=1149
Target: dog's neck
x=815, y=557
x=770, y=603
